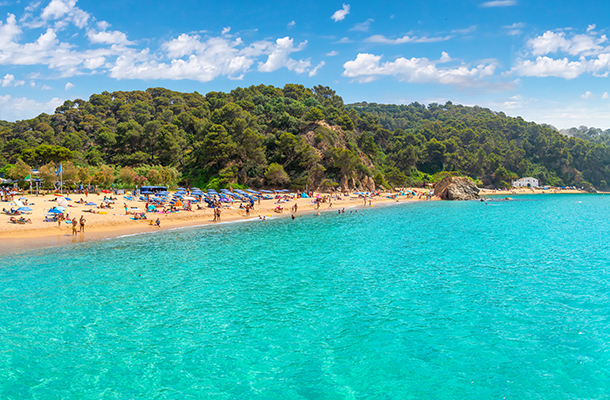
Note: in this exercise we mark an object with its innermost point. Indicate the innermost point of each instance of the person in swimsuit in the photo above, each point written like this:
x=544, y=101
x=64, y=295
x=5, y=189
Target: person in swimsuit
x=74, y=226
x=82, y=223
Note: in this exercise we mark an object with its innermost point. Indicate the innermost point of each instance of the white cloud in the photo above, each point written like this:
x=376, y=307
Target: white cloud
x=103, y=37
x=499, y=3
x=187, y=56
x=314, y=71
x=339, y=15
x=291, y=24
x=405, y=39
x=190, y=57
x=57, y=9
x=367, y=67
x=14, y=108
x=605, y=96
x=586, y=95
x=64, y=11
x=545, y=67
x=32, y=84
x=582, y=54
x=94, y=62
x=68, y=86
x=590, y=27
x=279, y=57
x=226, y=30
x=363, y=26
x=46, y=87
x=552, y=42
x=332, y=53
x=344, y=40
x=465, y=31
x=515, y=29
x=9, y=80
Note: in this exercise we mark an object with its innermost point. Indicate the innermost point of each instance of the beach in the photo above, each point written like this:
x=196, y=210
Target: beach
x=114, y=222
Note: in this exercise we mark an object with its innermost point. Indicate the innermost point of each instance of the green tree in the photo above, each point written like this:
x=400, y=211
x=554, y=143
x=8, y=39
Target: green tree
x=275, y=175
x=314, y=114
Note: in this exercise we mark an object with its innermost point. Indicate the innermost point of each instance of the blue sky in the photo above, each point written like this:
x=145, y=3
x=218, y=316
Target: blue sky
x=545, y=61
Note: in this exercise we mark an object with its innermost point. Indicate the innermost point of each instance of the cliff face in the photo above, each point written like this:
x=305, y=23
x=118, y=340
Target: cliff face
x=456, y=188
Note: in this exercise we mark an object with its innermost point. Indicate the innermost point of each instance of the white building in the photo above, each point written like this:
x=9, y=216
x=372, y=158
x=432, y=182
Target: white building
x=526, y=182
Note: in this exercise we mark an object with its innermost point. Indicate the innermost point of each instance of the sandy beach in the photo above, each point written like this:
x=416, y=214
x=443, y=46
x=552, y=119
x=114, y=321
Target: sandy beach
x=114, y=222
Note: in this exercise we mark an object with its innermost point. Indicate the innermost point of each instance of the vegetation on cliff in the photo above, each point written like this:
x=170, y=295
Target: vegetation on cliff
x=292, y=137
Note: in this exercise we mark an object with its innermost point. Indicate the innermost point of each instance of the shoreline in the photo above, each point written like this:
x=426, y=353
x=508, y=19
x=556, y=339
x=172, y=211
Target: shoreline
x=30, y=238
x=19, y=238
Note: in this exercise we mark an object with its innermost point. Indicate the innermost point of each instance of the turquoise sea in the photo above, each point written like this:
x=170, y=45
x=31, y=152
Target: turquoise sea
x=440, y=300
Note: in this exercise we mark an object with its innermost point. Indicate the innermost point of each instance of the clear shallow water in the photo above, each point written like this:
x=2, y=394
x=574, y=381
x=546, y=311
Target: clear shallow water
x=429, y=300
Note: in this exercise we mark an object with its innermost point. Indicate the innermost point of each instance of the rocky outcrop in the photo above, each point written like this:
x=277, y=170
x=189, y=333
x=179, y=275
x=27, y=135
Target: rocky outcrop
x=368, y=183
x=456, y=188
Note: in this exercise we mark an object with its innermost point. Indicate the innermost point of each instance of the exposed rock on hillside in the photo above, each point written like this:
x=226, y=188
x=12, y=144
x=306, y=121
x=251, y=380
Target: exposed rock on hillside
x=456, y=188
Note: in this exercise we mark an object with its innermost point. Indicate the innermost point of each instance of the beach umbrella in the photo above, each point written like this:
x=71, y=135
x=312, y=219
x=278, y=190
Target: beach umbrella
x=266, y=191
x=189, y=198
x=24, y=209
x=180, y=189
x=55, y=211
x=108, y=201
x=146, y=192
x=23, y=198
x=62, y=202
x=91, y=204
x=194, y=188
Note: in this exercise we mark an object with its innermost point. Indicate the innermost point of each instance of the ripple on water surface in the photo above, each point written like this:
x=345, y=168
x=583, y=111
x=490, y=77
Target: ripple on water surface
x=441, y=300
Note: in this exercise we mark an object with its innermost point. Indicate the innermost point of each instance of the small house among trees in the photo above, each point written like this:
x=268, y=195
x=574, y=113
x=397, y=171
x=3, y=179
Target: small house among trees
x=526, y=182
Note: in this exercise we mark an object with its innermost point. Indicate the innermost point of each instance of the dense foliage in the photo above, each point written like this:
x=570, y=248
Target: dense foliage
x=293, y=137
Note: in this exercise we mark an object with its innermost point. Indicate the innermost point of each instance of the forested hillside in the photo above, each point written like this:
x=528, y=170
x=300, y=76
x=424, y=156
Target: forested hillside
x=292, y=137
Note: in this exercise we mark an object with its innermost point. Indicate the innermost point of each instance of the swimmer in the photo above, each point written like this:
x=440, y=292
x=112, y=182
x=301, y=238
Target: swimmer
x=293, y=216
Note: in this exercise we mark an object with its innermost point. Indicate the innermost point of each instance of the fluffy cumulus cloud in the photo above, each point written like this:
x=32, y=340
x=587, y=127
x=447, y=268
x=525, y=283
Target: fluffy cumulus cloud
x=58, y=23
x=192, y=57
x=104, y=37
x=565, y=55
x=340, y=15
x=9, y=80
x=368, y=67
